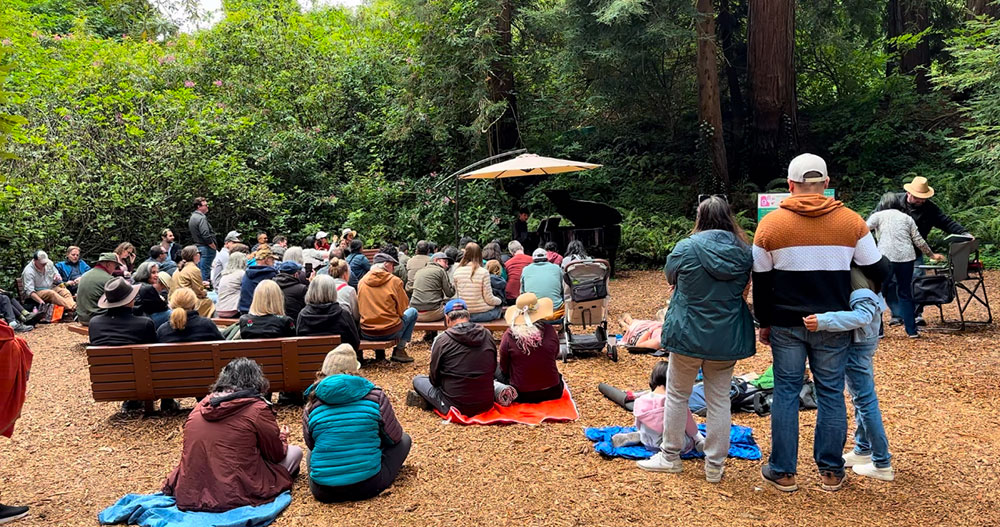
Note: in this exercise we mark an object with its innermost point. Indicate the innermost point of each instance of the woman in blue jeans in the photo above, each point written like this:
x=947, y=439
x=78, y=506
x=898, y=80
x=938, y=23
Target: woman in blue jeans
x=870, y=456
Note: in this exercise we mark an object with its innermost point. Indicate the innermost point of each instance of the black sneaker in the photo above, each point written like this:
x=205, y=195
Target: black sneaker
x=920, y=321
x=169, y=407
x=132, y=406
x=9, y=514
x=895, y=322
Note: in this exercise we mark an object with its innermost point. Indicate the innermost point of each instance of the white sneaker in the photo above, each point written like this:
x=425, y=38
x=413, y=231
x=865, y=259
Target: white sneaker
x=713, y=475
x=659, y=463
x=871, y=471
x=851, y=459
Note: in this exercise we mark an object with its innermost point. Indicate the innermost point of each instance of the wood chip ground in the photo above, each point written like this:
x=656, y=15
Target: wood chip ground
x=71, y=457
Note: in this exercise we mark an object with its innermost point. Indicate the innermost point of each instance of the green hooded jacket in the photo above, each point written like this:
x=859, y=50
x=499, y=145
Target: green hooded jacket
x=708, y=318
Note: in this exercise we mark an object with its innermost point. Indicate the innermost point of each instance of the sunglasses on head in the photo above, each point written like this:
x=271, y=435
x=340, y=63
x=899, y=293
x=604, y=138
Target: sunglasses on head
x=703, y=197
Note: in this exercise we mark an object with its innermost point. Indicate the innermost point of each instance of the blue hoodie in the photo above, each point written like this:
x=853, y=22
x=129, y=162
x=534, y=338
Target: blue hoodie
x=864, y=318
x=345, y=431
x=255, y=274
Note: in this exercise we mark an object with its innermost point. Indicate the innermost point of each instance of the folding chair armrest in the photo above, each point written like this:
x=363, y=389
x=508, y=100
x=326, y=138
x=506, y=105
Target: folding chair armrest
x=932, y=267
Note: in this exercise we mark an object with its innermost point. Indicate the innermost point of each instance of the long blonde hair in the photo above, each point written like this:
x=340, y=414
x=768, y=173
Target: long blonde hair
x=181, y=301
x=268, y=299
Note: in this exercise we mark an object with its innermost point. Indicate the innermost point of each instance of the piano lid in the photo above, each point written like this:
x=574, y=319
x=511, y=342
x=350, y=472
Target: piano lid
x=584, y=214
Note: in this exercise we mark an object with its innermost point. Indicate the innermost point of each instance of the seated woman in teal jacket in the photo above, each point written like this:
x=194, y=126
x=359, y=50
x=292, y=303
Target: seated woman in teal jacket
x=357, y=444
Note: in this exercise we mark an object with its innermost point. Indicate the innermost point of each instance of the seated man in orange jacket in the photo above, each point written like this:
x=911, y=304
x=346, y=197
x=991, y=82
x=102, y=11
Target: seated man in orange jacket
x=384, y=307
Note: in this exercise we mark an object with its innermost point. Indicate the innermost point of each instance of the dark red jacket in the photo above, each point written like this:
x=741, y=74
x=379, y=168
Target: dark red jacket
x=15, y=363
x=531, y=372
x=514, y=268
x=231, y=457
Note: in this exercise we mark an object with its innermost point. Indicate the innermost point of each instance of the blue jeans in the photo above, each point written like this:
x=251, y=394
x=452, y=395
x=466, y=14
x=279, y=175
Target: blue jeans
x=207, y=257
x=889, y=290
x=486, y=316
x=404, y=334
x=160, y=318
x=869, y=437
x=827, y=353
x=900, y=291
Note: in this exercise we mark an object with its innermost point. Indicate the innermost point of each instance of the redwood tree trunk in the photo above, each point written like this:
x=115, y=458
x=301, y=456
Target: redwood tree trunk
x=709, y=109
x=982, y=7
x=910, y=17
x=771, y=72
x=503, y=133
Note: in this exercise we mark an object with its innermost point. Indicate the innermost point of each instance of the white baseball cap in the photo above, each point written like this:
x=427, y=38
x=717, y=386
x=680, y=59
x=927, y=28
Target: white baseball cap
x=322, y=234
x=807, y=168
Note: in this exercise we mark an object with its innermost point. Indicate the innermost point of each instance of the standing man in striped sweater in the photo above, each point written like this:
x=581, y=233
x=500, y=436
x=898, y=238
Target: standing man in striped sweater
x=802, y=264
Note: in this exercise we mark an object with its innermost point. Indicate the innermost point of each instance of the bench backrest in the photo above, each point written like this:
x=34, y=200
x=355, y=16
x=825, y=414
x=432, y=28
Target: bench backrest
x=370, y=254
x=154, y=371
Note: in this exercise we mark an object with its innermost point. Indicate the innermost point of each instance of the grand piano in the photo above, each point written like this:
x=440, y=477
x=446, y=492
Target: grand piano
x=595, y=224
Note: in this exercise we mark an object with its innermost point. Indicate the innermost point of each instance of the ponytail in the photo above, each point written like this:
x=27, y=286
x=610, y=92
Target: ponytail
x=178, y=318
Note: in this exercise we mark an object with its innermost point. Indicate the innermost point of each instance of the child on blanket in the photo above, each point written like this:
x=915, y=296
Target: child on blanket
x=870, y=456
x=642, y=333
x=648, y=411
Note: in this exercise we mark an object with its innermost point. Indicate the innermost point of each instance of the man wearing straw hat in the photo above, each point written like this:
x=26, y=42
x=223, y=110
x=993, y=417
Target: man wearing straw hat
x=916, y=202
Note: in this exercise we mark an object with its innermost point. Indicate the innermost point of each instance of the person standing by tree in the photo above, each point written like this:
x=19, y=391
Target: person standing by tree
x=802, y=257
x=203, y=236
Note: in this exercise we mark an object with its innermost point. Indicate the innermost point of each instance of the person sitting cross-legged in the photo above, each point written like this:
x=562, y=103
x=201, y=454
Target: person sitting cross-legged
x=384, y=306
x=234, y=453
x=42, y=283
x=431, y=289
x=529, y=350
x=463, y=364
x=357, y=445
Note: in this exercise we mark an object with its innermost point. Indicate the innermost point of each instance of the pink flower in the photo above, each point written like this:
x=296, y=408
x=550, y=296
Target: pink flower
x=429, y=191
x=217, y=83
x=56, y=37
x=66, y=117
x=6, y=42
x=427, y=203
x=220, y=105
x=189, y=84
x=167, y=59
x=35, y=34
x=125, y=35
x=171, y=43
x=446, y=200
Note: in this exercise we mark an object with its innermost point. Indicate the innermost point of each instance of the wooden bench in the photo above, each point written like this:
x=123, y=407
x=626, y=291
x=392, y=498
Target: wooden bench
x=493, y=325
x=80, y=329
x=155, y=371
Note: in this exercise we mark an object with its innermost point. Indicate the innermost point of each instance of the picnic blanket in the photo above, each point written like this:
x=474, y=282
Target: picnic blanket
x=160, y=510
x=741, y=443
x=561, y=409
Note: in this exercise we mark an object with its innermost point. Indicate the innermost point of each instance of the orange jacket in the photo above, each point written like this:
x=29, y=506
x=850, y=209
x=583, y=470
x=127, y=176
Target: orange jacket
x=15, y=363
x=381, y=301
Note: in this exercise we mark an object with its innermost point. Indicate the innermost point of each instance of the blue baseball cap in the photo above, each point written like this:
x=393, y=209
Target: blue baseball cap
x=289, y=267
x=454, y=304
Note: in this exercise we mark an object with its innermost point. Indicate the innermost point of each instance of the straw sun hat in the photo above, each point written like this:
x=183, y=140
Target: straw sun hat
x=528, y=310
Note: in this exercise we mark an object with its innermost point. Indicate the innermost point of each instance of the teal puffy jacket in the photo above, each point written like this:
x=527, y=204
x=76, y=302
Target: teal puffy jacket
x=708, y=318
x=344, y=425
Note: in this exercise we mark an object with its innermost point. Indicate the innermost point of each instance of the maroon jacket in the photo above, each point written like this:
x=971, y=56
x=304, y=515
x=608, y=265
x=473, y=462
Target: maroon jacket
x=533, y=371
x=231, y=456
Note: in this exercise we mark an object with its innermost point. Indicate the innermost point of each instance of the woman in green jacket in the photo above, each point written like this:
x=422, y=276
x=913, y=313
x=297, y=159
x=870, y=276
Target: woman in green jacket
x=708, y=326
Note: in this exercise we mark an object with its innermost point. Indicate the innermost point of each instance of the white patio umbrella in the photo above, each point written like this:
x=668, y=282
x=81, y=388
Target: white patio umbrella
x=528, y=165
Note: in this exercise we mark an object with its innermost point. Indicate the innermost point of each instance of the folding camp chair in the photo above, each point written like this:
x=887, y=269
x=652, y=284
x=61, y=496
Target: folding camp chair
x=962, y=275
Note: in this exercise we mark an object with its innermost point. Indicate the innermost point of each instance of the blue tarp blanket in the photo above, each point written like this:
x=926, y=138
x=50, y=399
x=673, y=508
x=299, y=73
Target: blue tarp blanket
x=159, y=510
x=741, y=443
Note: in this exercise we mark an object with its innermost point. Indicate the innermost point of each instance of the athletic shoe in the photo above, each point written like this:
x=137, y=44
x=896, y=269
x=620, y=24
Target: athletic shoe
x=895, y=322
x=132, y=406
x=831, y=482
x=851, y=459
x=169, y=407
x=784, y=483
x=713, y=475
x=914, y=336
x=920, y=321
x=871, y=471
x=659, y=463
x=416, y=400
x=18, y=327
x=9, y=514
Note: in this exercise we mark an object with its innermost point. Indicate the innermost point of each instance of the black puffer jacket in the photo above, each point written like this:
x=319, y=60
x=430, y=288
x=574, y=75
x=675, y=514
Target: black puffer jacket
x=328, y=319
x=295, y=293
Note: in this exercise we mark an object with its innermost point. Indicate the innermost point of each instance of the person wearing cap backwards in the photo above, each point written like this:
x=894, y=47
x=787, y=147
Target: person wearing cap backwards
x=802, y=256
x=43, y=284
x=357, y=445
x=431, y=289
x=203, y=236
x=384, y=307
x=463, y=363
x=91, y=287
x=544, y=279
x=219, y=264
x=916, y=202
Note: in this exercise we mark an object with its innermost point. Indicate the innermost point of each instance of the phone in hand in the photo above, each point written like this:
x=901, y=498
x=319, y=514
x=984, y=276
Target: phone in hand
x=309, y=268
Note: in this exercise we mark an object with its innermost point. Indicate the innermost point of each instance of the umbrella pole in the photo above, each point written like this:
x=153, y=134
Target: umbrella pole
x=458, y=191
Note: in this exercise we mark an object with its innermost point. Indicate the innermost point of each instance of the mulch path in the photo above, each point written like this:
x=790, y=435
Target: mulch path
x=71, y=457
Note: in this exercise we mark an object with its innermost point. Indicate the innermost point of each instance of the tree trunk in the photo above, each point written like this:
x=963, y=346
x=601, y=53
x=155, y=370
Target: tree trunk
x=709, y=109
x=503, y=134
x=771, y=72
x=982, y=7
x=728, y=26
x=910, y=17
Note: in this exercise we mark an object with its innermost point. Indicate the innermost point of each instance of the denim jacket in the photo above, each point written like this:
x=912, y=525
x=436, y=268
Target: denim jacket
x=865, y=317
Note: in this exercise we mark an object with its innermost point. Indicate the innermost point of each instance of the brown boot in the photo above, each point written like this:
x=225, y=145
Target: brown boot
x=831, y=482
x=782, y=482
x=399, y=355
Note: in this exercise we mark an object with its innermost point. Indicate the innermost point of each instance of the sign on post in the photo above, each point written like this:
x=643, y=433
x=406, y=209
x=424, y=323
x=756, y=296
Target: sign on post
x=768, y=202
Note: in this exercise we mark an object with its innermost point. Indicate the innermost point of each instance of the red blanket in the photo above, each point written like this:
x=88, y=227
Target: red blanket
x=561, y=409
x=15, y=362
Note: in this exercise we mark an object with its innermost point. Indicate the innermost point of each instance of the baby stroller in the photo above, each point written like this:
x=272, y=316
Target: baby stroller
x=585, y=295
